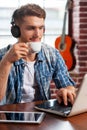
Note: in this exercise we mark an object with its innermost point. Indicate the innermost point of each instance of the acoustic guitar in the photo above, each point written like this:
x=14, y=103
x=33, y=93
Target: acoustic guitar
x=65, y=44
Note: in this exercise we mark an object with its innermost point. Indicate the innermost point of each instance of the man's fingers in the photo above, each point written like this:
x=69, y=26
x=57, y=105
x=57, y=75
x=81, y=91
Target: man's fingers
x=62, y=96
x=65, y=100
x=59, y=99
x=71, y=97
x=66, y=95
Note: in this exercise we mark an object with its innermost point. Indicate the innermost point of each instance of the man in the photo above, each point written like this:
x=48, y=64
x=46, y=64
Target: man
x=28, y=67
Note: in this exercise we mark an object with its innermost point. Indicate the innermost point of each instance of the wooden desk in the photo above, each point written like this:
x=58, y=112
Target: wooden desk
x=50, y=122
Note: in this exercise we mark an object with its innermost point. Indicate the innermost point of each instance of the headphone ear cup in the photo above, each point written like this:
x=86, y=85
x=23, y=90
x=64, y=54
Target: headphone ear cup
x=15, y=30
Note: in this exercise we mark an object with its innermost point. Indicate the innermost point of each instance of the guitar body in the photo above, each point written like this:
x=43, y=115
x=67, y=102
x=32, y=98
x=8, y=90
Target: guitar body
x=66, y=50
x=65, y=45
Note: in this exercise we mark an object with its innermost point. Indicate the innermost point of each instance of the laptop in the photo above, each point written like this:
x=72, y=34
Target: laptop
x=79, y=106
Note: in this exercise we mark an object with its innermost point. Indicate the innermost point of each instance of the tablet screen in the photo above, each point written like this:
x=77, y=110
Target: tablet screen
x=22, y=117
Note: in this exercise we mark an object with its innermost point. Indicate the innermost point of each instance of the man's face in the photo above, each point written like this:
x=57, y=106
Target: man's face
x=32, y=29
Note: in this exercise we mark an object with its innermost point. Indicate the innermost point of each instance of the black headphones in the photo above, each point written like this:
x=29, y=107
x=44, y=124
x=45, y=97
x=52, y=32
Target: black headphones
x=15, y=30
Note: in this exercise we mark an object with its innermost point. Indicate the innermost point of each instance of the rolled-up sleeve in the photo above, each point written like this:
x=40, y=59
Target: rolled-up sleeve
x=61, y=75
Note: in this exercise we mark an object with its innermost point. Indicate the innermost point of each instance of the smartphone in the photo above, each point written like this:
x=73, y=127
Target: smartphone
x=21, y=117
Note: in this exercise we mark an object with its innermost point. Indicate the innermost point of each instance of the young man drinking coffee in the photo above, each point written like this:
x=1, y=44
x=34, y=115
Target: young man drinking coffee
x=28, y=66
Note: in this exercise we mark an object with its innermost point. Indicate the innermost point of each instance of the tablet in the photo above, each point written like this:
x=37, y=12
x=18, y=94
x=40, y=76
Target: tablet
x=21, y=117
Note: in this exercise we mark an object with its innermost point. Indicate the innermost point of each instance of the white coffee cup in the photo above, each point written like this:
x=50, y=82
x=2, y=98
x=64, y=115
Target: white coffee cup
x=35, y=46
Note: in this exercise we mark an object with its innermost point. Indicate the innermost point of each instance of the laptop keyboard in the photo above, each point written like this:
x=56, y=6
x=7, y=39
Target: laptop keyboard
x=61, y=107
x=54, y=105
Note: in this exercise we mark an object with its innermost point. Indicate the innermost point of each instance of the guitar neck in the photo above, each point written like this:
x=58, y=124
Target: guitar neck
x=64, y=28
x=64, y=23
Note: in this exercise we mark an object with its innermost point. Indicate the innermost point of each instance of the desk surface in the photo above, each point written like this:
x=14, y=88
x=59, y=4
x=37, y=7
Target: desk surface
x=50, y=122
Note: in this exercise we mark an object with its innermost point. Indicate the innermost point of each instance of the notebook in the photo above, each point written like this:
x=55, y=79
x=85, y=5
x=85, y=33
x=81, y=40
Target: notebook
x=79, y=106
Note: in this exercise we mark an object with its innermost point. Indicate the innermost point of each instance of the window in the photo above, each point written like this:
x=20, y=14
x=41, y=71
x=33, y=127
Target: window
x=54, y=20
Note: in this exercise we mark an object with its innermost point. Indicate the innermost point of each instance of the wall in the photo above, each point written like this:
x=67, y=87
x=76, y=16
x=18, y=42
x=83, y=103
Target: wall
x=79, y=36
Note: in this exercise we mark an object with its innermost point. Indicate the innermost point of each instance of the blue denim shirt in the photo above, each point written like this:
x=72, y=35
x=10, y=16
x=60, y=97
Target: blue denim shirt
x=49, y=66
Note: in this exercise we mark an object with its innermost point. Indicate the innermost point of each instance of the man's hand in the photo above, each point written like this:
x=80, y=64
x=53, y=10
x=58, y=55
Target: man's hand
x=66, y=95
x=16, y=52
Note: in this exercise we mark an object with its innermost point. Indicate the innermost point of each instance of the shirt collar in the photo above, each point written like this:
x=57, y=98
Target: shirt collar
x=40, y=56
x=19, y=62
